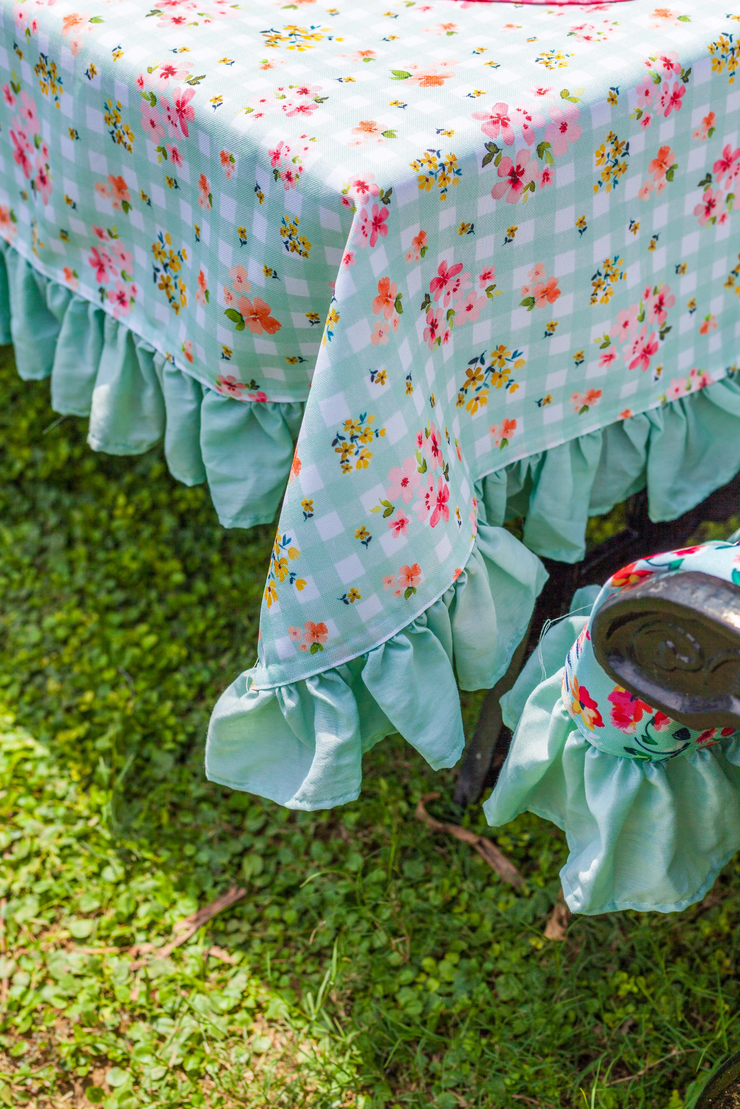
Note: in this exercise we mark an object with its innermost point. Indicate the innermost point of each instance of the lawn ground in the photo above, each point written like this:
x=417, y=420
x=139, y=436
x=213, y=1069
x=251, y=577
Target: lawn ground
x=371, y=964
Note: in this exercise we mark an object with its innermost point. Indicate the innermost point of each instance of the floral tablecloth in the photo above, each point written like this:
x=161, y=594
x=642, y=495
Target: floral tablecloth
x=460, y=235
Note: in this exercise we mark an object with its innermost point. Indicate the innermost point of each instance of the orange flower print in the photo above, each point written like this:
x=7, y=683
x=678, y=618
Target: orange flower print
x=629, y=575
x=314, y=637
x=583, y=705
x=385, y=301
x=419, y=247
x=256, y=316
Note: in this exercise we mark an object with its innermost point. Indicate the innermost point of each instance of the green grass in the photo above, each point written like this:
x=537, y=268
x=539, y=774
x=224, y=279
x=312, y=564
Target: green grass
x=374, y=964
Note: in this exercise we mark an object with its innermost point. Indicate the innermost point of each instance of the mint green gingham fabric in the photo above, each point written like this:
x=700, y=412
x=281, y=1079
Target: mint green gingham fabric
x=650, y=809
x=477, y=231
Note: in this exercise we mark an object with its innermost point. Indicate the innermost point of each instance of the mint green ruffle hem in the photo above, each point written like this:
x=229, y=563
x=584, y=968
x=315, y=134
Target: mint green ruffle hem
x=681, y=452
x=650, y=836
x=302, y=744
x=136, y=398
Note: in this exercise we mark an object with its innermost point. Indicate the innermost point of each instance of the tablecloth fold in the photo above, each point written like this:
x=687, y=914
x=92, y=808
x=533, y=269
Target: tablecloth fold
x=681, y=453
x=320, y=727
x=136, y=397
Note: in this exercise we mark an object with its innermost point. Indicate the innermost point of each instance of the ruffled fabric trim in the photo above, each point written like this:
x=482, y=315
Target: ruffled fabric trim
x=135, y=397
x=302, y=744
x=681, y=452
x=646, y=836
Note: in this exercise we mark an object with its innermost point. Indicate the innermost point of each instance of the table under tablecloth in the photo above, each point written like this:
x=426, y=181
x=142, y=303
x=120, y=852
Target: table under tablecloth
x=481, y=255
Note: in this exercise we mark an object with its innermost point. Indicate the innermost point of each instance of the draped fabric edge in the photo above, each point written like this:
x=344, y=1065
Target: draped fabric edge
x=645, y=836
x=135, y=397
x=302, y=744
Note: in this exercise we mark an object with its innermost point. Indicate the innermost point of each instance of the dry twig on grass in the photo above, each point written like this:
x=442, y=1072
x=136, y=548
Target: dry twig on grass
x=558, y=920
x=186, y=928
x=485, y=847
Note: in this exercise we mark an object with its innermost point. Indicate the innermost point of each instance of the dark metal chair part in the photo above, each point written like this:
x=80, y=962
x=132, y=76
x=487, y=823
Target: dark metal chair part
x=673, y=640
x=485, y=753
x=722, y=1091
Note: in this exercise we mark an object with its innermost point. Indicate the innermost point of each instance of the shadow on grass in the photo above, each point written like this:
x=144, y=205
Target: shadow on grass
x=375, y=964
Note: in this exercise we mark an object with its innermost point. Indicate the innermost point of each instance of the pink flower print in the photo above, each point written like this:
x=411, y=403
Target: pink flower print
x=120, y=299
x=547, y=176
x=426, y=498
x=645, y=189
x=389, y=581
x=363, y=188
x=21, y=149
x=380, y=333
x=99, y=233
x=724, y=164
x=409, y=576
x=433, y=328
x=470, y=309
x=487, y=277
x=640, y=349
x=228, y=386
x=677, y=388
x=403, y=481
x=378, y=225
x=542, y=92
x=699, y=379
x=536, y=273
x=441, y=509
x=657, y=306
x=229, y=297
x=349, y=258
x=646, y=121
x=239, y=279
x=300, y=108
x=296, y=634
x=563, y=129
x=607, y=357
x=517, y=176
x=433, y=448
x=672, y=99
x=497, y=121
x=171, y=71
x=151, y=121
x=709, y=323
x=184, y=111
x=9, y=96
x=28, y=111
x=102, y=263
x=69, y=275
x=527, y=121
x=710, y=206
x=669, y=62
x=443, y=280
x=123, y=257
x=645, y=92
x=399, y=524
x=175, y=156
x=43, y=180
x=626, y=324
